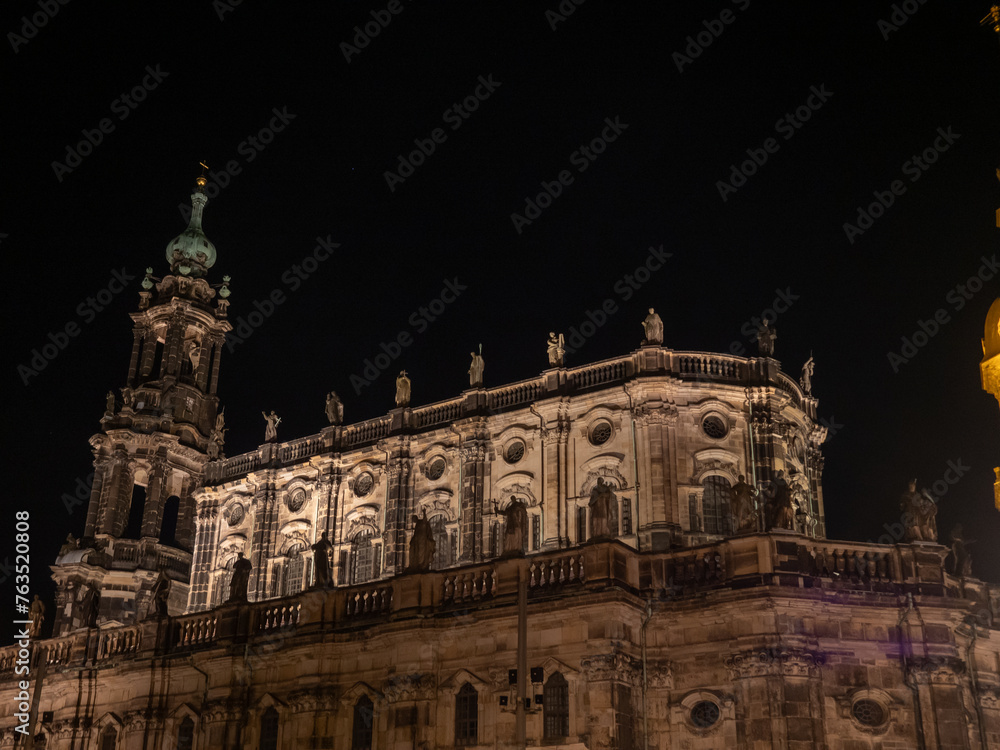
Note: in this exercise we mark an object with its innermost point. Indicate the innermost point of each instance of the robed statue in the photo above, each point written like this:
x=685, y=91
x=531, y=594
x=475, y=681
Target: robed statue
x=807, y=375
x=161, y=595
x=653, y=326
x=91, y=605
x=37, y=614
x=781, y=505
x=334, y=408
x=742, y=503
x=919, y=515
x=321, y=561
x=765, y=339
x=961, y=558
x=402, y=389
x=515, y=527
x=422, y=545
x=240, y=581
x=476, y=368
x=271, y=431
x=602, y=511
x=556, y=349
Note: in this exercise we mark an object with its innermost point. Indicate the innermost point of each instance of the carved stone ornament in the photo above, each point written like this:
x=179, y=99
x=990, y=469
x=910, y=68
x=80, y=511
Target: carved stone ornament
x=614, y=666
x=313, y=699
x=410, y=687
x=938, y=670
x=236, y=515
x=773, y=661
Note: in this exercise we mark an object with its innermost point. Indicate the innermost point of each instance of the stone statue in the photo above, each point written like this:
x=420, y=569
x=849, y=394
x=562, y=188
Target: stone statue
x=476, y=368
x=742, y=502
x=402, y=389
x=334, y=408
x=271, y=431
x=602, y=504
x=91, y=606
x=653, y=326
x=781, y=506
x=110, y=407
x=193, y=352
x=240, y=581
x=216, y=440
x=321, y=561
x=127, y=397
x=422, y=545
x=919, y=515
x=961, y=558
x=37, y=614
x=161, y=594
x=220, y=421
x=807, y=372
x=556, y=350
x=515, y=527
x=765, y=339
x=71, y=543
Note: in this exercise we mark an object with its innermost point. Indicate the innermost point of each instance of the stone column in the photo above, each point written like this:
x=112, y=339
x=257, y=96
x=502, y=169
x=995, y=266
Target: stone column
x=656, y=453
x=473, y=456
x=945, y=720
x=779, y=699
x=554, y=489
x=397, y=512
x=152, y=513
x=186, y=514
x=103, y=467
x=148, y=354
x=217, y=342
x=204, y=556
x=174, y=346
x=204, y=361
x=410, y=699
x=138, y=334
x=116, y=495
x=265, y=522
x=614, y=685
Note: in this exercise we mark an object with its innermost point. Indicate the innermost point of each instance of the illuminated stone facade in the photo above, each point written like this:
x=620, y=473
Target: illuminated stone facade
x=675, y=632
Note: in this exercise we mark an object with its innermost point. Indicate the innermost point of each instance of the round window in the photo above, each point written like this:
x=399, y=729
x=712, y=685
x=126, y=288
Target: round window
x=436, y=469
x=704, y=714
x=714, y=427
x=514, y=452
x=600, y=434
x=296, y=500
x=363, y=484
x=868, y=712
x=236, y=514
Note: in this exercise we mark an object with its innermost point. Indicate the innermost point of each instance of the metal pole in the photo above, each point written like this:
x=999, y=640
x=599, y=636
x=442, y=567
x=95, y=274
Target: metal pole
x=522, y=654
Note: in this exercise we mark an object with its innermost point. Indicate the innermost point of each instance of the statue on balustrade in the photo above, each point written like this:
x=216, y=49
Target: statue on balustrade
x=765, y=339
x=71, y=543
x=515, y=528
x=742, y=503
x=422, y=545
x=37, y=614
x=240, y=581
x=110, y=408
x=476, y=368
x=161, y=595
x=919, y=515
x=90, y=606
x=556, y=350
x=807, y=375
x=321, y=561
x=271, y=431
x=781, y=505
x=961, y=558
x=334, y=408
x=402, y=389
x=602, y=511
x=653, y=327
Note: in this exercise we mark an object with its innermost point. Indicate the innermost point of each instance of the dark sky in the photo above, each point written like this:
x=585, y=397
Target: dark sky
x=879, y=96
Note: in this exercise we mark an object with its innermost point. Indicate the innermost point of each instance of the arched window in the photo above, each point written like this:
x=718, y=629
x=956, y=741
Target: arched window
x=269, y=729
x=362, y=557
x=109, y=738
x=715, y=505
x=555, y=704
x=185, y=735
x=364, y=722
x=467, y=716
x=442, y=545
x=292, y=581
x=168, y=527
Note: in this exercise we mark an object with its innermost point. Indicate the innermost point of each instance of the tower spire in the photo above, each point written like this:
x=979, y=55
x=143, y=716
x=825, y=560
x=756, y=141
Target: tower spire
x=191, y=253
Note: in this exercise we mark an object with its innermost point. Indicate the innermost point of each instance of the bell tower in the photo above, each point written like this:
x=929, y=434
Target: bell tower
x=155, y=440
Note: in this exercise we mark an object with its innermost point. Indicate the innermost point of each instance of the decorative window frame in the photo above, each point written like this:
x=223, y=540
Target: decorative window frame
x=266, y=701
x=109, y=719
x=891, y=707
x=173, y=725
x=681, y=711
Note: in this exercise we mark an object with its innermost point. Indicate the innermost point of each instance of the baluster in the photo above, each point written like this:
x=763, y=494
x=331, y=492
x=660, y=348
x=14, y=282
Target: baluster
x=531, y=577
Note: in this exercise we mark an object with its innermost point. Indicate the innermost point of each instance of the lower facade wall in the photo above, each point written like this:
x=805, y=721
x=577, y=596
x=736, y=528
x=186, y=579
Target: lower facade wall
x=748, y=672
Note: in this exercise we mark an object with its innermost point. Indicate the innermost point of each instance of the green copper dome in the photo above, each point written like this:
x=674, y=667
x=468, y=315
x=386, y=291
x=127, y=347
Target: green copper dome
x=191, y=253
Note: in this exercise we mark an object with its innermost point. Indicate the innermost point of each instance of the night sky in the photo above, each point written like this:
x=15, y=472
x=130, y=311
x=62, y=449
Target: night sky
x=646, y=112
